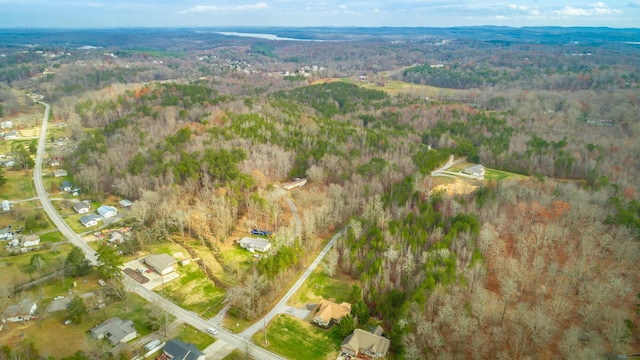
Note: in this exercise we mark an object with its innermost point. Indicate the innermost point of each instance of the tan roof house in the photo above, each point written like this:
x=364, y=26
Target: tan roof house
x=363, y=344
x=329, y=313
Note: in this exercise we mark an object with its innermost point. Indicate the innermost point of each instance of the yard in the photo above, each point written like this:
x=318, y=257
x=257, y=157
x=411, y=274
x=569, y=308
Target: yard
x=297, y=339
x=193, y=291
x=189, y=334
x=19, y=185
x=320, y=286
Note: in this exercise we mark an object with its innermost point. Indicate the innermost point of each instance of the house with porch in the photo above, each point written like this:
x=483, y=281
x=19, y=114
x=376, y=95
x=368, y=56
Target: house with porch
x=179, y=350
x=115, y=330
x=366, y=345
x=329, y=313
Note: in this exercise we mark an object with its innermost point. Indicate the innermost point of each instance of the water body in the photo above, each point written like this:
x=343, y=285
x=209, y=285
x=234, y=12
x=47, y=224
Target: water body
x=262, y=36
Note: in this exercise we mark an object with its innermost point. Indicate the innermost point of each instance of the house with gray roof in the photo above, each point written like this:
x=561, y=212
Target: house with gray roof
x=115, y=330
x=255, y=244
x=163, y=264
x=81, y=207
x=179, y=350
x=107, y=211
x=90, y=220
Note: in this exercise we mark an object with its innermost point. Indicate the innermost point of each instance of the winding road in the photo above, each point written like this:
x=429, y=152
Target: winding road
x=240, y=341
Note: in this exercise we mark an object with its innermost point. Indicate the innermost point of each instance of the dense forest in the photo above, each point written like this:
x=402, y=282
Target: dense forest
x=538, y=265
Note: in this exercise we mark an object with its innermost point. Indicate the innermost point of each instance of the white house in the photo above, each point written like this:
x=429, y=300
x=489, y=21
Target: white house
x=107, y=211
x=476, y=171
x=295, y=184
x=116, y=330
x=29, y=241
x=255, y=244
x=90, y=220
x=163, y=264
x=6, y=125
x=81, y=207
x=11, y=135
x=6, y=234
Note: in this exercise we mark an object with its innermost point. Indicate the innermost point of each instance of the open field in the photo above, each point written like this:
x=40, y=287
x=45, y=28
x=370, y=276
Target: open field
x=297, y=339
x=69, y=339
x=189, y=334
x=393, y=87
x=19, y=185
x=320, y=286
x=15, y=269
x=193, y=291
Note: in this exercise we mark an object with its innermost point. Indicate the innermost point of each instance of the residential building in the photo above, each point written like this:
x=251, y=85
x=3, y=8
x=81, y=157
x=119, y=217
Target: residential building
x=59, y=173
x=295, y=184
x=255, y=244
x=363, y=344
x=81, y=207
x=476, y=171
x=115, y=330
x=23, y=311
x=6, y=234
x=90, y=220
x=29, y=240
x=6, y=205
x=125, y=203
x=11, y=135
x=163, y=264
x=107, y=211
x=8, y=162
x=178, y=350
x=66, y=186
x=329, y=313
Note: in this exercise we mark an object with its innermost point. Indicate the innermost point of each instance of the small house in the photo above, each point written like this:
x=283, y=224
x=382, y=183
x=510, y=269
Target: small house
x=364, y=344
x=179, y=350
x=11, y=135
x=163, y=264
x=476, y=171
x=90, y=220
x=29, y=241
x=8, y=163
x=81, y=207
x=125, y=203
x=115, y=330
x=66, y=186
x=296, y=183
x=59, y=173
x=116, y=237
x=23, y=311
x=6, y=205
x=107, y=211
x=6, y=234
x=255, y=244
x=328, y=313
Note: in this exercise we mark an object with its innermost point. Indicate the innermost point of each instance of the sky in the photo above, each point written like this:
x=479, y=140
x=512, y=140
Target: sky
x=301, y=13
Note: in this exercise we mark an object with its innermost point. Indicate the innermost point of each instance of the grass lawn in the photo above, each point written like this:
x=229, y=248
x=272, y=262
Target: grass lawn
x=320, y=286
x=297, y=339
x=52, y=338
x=51, y=237
x=492, y=174
x=236, y=355
x=19, y=185
x=189, y=334
x=193, y=291
x=15, y=269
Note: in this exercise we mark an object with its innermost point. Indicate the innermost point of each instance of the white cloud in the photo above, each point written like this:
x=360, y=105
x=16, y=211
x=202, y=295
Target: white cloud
x=598, y=8
x=214, y=8
x=529, y=10
x=343, y=7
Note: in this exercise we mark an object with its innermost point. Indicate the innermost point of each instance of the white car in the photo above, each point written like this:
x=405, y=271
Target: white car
x=58, y=297
x=212, y=331
x=102, y=282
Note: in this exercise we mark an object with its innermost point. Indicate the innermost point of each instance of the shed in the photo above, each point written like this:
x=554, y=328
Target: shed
x=163, y=264
x=125, y=203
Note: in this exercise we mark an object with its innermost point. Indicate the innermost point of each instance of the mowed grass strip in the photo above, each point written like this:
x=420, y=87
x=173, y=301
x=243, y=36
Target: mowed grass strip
x=189, y=334
x=298, y=339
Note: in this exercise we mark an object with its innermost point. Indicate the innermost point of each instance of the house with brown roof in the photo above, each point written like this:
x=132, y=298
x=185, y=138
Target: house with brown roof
x=329, y=313
x=363, y=344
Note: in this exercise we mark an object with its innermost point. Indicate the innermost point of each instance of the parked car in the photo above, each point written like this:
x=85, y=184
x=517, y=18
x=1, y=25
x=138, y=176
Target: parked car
x=60, y=297
x=67, y=322
x=102, y=282
x=212, y=331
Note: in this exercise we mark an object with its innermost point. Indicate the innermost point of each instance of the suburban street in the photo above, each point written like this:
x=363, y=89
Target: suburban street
x=180, y=313
x=281, y=307
x=44, y=198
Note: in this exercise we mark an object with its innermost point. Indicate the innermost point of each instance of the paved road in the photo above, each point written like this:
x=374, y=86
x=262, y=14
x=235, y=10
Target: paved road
x=281, y=307
x=44, y=198
x=180, y=313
